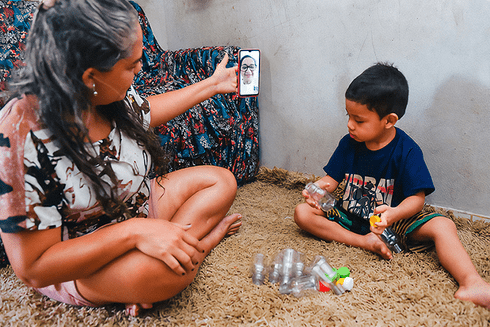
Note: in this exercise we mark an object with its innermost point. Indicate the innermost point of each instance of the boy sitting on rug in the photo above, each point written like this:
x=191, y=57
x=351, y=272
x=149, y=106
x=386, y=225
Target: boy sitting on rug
x=386, y=175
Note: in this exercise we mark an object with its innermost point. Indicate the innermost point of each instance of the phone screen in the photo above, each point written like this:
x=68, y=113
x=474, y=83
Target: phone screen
x=249, y=72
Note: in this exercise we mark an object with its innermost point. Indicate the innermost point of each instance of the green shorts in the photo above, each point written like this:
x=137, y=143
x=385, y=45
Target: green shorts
x=402, y=228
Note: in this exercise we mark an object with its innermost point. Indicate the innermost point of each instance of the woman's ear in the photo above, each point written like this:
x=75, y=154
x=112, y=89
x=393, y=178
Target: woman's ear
x=88, y=77
x=391, y=120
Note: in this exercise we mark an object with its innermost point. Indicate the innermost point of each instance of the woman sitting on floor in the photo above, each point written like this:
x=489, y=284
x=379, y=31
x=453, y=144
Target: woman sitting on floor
x=78, y=161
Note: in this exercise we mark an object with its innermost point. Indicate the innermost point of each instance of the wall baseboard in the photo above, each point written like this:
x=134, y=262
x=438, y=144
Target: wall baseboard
x=465, y=214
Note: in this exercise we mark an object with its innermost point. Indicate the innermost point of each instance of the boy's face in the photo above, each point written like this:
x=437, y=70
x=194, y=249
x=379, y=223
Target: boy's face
x=365, y=125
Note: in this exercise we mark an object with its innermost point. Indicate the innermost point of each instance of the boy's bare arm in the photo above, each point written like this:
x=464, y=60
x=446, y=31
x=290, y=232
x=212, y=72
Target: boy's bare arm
x=327, y=183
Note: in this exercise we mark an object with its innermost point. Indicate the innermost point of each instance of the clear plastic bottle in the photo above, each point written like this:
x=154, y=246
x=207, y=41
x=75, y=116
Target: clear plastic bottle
x=303, y=285
x=325, y=272
x=388, y=236
x=275, y=270
x=259, y=269
x=325, y=200
x=287, y=271
x=298, y=264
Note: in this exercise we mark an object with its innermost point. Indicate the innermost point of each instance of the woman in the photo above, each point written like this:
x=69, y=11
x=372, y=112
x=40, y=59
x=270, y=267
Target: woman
x=77, y=150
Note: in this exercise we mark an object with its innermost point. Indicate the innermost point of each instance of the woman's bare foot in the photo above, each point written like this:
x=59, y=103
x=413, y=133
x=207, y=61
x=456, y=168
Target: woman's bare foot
x=228, y=226
x=478, y=292
x=374, y=244
x=233, y=229
x=134, y=309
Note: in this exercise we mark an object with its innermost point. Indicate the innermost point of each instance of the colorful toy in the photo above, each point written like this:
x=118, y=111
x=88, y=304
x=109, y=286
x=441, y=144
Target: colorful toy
x=388, y=236
x=323, y=286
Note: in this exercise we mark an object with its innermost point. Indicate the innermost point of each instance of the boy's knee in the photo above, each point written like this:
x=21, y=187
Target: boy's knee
x=441, y=225
x=300, y=214
x=444, y=222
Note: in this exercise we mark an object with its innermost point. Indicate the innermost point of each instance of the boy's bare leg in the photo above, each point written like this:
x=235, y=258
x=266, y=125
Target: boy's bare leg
x=314, y=222
x=455, y=260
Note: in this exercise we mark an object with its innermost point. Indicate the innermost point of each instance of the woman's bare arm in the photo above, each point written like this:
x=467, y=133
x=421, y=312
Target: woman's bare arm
x=40, y=258
x=167, y=106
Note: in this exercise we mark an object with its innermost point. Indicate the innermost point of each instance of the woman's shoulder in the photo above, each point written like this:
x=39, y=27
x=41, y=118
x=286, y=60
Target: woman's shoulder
x=19, y=116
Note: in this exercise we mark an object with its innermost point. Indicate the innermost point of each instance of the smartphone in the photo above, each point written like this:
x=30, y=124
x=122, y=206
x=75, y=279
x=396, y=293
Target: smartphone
x=248, y=72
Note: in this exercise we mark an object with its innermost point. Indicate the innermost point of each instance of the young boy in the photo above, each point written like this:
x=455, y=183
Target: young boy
x=385, y=174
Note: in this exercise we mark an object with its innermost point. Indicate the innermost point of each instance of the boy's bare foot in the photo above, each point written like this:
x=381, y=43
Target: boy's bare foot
x=477, y=292
x=374, y=244
x=134, y=309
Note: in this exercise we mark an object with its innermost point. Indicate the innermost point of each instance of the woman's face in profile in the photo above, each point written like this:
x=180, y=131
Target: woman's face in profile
x=247, y=70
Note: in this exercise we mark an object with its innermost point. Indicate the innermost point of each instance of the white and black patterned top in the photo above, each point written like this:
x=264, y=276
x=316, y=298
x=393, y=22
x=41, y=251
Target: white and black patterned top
x=40, y=188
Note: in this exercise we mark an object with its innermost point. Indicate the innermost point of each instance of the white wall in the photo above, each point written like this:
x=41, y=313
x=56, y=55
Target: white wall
x=312, y=49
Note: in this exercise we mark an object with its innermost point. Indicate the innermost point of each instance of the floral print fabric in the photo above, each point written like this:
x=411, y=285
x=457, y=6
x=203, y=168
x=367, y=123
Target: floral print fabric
x=221, y=131
x=15, y=21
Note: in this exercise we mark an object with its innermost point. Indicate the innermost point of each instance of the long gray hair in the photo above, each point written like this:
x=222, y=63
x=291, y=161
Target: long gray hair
x=66, y=39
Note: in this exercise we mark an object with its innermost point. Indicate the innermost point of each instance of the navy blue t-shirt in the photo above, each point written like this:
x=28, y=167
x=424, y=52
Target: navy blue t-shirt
x=385, y=176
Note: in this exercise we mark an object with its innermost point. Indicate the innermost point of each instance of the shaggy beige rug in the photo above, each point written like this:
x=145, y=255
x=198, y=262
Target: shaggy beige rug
x=410, y=290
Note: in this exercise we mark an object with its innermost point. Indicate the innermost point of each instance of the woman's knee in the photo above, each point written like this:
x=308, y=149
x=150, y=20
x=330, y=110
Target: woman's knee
x=136, y=278
x=227, y=178
x=206, y=176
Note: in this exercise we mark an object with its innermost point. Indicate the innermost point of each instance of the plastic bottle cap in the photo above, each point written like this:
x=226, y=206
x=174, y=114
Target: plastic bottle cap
x=324, y=287
x=343, y=272
x=348, y=283
x=374, y=219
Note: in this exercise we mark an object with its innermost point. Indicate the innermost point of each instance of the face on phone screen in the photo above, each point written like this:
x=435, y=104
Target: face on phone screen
x=249, y=72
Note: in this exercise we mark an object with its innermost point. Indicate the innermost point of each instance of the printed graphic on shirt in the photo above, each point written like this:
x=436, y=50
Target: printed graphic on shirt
x=363, y=194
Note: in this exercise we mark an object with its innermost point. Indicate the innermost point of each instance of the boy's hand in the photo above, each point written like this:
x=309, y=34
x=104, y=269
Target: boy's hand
x=383, y=212
x=309, y=200
x=324, y=186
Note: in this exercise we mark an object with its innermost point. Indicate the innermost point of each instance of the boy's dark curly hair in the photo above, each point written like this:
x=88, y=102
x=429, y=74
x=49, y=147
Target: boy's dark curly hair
x=382, y=88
